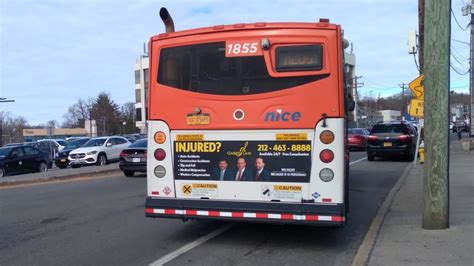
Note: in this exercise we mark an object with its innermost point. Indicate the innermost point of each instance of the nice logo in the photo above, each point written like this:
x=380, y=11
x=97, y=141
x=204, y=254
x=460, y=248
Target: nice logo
x=279, y=115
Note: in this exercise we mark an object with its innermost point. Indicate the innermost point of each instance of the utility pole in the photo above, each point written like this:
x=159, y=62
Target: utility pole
x=421, y=33
x=468, y=10
x=403, y=109
x=436, y=135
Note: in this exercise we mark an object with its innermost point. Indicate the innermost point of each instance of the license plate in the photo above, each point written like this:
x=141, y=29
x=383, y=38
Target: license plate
x=63, y=160
x=136, y=160
x=198, y=119
x=387, y=144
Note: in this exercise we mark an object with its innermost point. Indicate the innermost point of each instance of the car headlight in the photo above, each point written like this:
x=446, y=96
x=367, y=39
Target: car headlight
x=91, y=153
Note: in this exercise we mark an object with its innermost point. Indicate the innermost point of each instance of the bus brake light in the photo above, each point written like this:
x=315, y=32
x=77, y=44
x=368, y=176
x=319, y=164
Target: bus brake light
x=160, y=154
x=326, y=156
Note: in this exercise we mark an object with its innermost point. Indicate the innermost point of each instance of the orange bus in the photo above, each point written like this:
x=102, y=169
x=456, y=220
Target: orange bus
x=247, y=122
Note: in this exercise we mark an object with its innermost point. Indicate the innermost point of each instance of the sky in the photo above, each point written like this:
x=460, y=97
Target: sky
x=54, y=52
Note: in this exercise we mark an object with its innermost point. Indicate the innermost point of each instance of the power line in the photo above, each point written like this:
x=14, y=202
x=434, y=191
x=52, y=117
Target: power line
x=460, y=41
x=416, y=63
x=457, y=60
x=457, y=71
x=457, y=22
x=459, y=55
x=379, y=85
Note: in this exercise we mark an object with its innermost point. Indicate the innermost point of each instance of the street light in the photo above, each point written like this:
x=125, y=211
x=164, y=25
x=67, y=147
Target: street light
x=124, y=123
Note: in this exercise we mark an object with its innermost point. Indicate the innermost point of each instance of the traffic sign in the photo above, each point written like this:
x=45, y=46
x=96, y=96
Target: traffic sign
x=417, y=88
x=416, y=108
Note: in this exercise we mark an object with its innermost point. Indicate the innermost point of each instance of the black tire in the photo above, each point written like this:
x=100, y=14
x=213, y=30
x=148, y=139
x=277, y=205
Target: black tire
x=2, y=172
x=410, y=156
x=101, y=159
x=75, y=166
x=42, y=167
x=62, y=166
x=128, y=173
x=370, y=158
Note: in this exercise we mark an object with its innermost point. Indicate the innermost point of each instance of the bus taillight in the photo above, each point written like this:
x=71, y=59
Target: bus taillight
x=159, y=137
x=159, y=171
x=326, y=175
x=326, y=156
x=326, y=137
x=160, y=154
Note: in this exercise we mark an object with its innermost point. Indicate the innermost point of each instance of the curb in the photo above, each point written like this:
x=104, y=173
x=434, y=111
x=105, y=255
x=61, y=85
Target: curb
x=365, y=249
x=54, y=178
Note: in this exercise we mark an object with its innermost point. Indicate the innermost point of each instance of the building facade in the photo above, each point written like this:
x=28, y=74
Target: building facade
x=141, y=69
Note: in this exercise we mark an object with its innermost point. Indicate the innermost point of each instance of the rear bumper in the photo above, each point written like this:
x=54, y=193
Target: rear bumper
x=376, y=150
x=301, y=213
x=61, y=162
x=135, y=167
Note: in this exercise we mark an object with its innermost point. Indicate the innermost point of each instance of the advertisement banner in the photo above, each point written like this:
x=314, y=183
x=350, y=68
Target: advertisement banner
x=262, y=161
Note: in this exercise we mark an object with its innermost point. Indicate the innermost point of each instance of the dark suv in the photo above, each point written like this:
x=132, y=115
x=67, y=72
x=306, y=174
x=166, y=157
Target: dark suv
x=392, y=138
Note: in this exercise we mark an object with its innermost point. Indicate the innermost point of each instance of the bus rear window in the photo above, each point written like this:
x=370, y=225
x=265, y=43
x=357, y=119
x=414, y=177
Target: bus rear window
x=204, y=68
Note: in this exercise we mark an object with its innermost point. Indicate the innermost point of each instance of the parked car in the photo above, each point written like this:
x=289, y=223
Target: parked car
x=130, y=137
x=12, y=145
x=98, y=151
x=392, y=138
x=23, y=159
x=133, y=158
x=62, y=160
x=357, y=138
x=59, y=143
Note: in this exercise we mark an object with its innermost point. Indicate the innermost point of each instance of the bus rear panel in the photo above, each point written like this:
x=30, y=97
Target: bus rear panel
x=248, y=123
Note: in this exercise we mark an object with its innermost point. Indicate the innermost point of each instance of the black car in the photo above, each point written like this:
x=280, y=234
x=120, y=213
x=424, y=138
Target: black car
x=133, y=158
x=392, y=138
x=23, y=159
x=61, y=160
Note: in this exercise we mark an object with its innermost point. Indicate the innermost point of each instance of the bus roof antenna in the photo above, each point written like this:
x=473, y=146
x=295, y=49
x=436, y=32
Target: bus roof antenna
x=167, y=20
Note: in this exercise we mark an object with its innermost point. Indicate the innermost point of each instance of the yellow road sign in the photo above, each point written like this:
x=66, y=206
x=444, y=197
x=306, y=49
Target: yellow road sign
x=417, y=88
x=416, y=107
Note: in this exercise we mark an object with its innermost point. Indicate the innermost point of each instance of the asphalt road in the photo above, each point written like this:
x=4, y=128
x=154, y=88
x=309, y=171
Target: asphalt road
x=101, y=222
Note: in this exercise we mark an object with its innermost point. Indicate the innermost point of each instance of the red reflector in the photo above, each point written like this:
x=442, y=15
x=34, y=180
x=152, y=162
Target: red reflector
x=124, y=154
x=148, y=210
x=155, y=193
x=372, y=137
x=160, y=154
x=326, y=156
x=327, y=200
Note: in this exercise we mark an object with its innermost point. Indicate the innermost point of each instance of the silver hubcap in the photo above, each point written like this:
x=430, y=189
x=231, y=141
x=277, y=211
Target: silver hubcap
x=43, y=167
x=2, y=174
x=102, y=160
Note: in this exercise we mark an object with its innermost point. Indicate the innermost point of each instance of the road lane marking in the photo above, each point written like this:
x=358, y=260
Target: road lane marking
x=171, y=256
x=360, y=160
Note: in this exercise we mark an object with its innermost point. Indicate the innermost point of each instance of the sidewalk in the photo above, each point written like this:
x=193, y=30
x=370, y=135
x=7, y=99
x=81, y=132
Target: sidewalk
x=402, y=241
x=59, y=174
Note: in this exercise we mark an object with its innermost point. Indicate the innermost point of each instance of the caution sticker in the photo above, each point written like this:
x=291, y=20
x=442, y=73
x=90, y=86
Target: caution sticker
x=282, y=192
x=200, y=190
x=291, y=136
x=190, y=137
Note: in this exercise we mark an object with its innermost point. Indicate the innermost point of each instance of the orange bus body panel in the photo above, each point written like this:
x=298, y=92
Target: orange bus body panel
x=311, y=100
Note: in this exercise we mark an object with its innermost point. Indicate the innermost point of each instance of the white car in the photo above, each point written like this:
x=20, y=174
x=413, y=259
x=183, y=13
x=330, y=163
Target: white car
x=98, y=151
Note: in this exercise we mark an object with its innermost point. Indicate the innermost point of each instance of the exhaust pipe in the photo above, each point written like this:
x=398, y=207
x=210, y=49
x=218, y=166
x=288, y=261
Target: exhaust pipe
x=167, y=20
